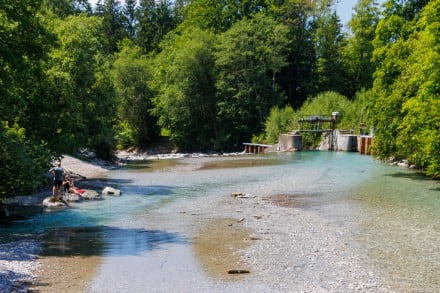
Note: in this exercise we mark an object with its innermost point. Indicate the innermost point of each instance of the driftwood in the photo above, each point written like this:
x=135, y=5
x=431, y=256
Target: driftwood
x=242, y=195
x=238, y=272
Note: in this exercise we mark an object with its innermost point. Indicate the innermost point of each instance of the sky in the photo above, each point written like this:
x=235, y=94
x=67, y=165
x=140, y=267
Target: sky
x=344, y=8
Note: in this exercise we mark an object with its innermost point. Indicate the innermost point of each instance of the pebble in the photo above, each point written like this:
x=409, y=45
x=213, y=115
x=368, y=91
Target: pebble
x=18, y=262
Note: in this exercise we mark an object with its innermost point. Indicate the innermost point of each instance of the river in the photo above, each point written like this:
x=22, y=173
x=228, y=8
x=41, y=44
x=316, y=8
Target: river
x=392, y=215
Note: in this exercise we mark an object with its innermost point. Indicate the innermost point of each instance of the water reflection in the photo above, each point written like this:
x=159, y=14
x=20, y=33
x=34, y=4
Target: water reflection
x=153, y=165
x=239, y=163
x=99, y=240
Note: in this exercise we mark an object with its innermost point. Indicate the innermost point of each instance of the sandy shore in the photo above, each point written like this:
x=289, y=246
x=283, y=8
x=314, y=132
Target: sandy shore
x=69, y=274
x=65, y=274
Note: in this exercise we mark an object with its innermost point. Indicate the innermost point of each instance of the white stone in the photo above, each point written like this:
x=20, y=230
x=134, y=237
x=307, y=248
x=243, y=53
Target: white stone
x=111, y=191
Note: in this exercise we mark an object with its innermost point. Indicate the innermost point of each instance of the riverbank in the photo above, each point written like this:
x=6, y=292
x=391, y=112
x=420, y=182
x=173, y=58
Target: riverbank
x=21, y=266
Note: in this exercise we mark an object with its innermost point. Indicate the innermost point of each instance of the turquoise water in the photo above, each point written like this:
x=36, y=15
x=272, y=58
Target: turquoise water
x=391, y=213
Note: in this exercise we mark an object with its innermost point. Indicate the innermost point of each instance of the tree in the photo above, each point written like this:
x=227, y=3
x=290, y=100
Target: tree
x=132, y=76
x=112, y=23
x=391, y=51
x=24, y=46
x=129, y=17
x=185, y=82
x=419, y=132
x=358, y=52
x=155, y=20
x=79, y=83
x=23, y=161
x=328, y=39
x=404, y=104
x=220, y=15
x=248, y=58
x=296, y=77
x=279, y=121
x=63, y=8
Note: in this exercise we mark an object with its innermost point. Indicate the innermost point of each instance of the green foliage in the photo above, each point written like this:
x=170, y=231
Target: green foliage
x=184, y=80
x=351, y=114
x=126, y=135
x=248, y=58
x=358, y=51
x=112, y=18
x=297, y=77
x=82, y=95
x=419, y=131
x=404, y=106
x=328, y=102
x=132, y=77
x=260, y=138
x=328, y=40
x=325, y=104
x=279, y=121
x=23, y=50
x=155, y=21
x=23, y=162
x=219, y=15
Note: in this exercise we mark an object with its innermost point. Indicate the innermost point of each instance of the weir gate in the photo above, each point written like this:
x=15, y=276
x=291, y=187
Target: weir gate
x=332, y=139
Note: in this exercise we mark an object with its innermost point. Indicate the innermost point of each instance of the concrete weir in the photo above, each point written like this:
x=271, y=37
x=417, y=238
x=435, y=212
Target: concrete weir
x=339, y=140
x=290, y=142
x=325, y=125
x=255, y=148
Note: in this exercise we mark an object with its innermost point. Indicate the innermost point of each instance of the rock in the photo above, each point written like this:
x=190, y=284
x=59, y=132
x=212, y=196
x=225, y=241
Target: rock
x=403, y=163
x=72, y=197
x=238, y=272
x=91, y=194
x=50, y=202
x=111, y=191
x=242, y=195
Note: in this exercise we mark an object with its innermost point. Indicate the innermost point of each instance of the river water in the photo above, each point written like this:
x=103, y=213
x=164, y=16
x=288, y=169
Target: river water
x=392, y=214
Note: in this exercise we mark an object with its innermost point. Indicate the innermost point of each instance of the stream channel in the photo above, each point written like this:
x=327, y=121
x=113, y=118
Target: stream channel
x=392, y=213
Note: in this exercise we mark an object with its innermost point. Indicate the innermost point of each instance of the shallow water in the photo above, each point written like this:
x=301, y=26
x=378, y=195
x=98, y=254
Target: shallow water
x=392, y=215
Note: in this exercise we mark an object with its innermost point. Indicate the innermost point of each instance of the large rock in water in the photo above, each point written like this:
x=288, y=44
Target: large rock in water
x=91, y=194
x=111, y=191
x=50, y=202
x=72, y=197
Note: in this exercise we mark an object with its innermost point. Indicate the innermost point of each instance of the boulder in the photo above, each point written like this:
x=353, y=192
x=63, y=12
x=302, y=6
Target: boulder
x=50, y=202
x=72, y=197
x=111, y=191
x=91, y=194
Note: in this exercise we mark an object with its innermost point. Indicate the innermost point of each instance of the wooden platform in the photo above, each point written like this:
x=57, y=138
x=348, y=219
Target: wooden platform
x=255, y=148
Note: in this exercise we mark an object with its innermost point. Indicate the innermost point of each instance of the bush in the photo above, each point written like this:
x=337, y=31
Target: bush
x=23, y=162
x=279, y=121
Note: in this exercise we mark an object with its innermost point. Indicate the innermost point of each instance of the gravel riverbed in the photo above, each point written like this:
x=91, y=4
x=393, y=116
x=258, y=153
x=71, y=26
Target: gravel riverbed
x=284, y=246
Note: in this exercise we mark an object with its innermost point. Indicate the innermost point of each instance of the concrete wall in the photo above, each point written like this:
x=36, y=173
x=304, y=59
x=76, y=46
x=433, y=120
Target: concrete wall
x=289, y=142
x=347, y=142
x=342, y=141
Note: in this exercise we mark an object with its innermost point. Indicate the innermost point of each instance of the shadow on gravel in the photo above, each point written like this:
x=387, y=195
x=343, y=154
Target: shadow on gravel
x=410, y=175
x=90, y=241
x=11, y=281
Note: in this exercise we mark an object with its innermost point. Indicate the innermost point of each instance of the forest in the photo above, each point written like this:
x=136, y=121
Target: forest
x=210, y=75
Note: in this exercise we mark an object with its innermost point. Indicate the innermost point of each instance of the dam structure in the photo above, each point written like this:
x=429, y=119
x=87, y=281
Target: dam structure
x=332, y=138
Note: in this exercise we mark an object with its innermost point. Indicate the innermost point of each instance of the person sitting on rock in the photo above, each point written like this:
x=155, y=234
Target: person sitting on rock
x=69, y=186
